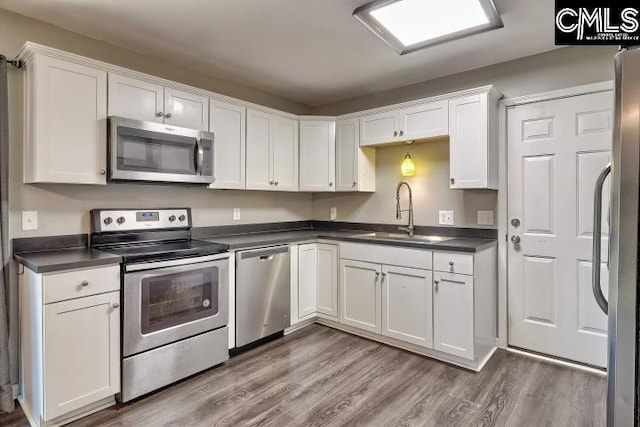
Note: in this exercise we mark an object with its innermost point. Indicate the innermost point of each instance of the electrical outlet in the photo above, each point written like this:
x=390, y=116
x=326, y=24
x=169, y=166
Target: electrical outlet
x=445, y=217
x=236, y=214
x=485, y=217
x=333, y=214
x=29, y=220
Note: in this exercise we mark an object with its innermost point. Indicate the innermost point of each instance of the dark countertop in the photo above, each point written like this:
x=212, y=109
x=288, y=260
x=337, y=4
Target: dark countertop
x=242, y=241
x=65, y=259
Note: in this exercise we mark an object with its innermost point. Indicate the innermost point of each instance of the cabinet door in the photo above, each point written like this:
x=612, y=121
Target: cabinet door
x=81, y=352
x=227, y=122
x=468, y=142
x=258, y=154
x=424, y=121
x=360, y=294
x=67, y=137
x=347, y=141
x=186, y=110
x=379, y=128
x=307, y=276
x=407, y=306
x=327, y=279
x=284, y=153
x=135, y=99
x=317, y=155
x=453, y=314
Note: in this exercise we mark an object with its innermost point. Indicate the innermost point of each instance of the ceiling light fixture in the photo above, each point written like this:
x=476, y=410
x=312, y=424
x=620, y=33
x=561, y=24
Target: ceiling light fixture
x=409, y=25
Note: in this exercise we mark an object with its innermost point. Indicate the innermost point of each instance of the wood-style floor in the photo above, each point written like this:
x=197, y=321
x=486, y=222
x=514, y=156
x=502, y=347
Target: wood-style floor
x=322, y=377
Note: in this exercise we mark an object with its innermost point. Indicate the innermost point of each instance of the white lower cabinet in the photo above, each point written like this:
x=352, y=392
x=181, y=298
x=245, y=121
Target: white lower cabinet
x=406, y=304
x=360, y=295
x=70, y=343
x=453, y=314
x=317, y=280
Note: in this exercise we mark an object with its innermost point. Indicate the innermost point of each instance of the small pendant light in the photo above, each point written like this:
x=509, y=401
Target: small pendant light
x=408, y=167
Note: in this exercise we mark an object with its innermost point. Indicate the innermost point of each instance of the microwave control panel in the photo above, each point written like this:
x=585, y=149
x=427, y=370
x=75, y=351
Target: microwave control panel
x=139, y=220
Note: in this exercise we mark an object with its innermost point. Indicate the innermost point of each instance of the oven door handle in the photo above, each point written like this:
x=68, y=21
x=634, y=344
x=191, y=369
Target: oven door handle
x=173, y=263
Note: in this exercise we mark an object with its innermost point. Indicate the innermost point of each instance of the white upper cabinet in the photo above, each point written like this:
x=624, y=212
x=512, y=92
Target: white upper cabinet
x=272, y=152
x=187, y=110
x=227, y=122
x=142, y=100
x=135, y=99
x=473, y=141
x=317, y=155
x=65, y=123
x=355, y=166
x=421, y=121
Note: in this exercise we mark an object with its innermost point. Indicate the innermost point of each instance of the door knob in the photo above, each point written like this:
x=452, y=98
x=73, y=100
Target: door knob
x=515, y=239
x=515, y=222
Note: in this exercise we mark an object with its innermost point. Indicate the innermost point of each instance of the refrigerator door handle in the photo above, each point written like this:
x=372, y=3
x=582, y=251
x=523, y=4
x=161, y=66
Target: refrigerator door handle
x=597, y=241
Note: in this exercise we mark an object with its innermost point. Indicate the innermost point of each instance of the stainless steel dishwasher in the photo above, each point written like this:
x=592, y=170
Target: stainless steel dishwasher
x=263, y=293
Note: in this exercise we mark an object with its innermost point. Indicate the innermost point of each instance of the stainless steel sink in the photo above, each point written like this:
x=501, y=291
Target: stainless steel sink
x=405, y=237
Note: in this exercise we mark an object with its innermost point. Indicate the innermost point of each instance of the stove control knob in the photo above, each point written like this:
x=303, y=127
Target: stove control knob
x=182, y=217
x=121, y=220
x=172, y=218
x=108, y=220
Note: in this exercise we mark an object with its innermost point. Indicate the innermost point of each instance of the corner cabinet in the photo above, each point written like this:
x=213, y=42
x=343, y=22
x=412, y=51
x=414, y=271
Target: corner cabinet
x=70, y=343
x=66, y=122
x=355, y=165
x=317, y=280
x=272, y=152
x=317, y=155
x=473, y=141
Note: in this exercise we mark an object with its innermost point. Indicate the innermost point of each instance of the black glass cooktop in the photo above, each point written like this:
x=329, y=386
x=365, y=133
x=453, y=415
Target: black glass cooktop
x=158, y=251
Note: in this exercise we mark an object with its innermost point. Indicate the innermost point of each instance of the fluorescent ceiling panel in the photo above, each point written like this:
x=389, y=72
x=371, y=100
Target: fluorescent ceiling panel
x=409, y=25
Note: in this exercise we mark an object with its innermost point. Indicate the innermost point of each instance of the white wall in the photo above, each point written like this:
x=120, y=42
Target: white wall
x=557, y=69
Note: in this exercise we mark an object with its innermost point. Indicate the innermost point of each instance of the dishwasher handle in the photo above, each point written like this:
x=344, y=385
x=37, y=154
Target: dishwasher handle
x=264, y=254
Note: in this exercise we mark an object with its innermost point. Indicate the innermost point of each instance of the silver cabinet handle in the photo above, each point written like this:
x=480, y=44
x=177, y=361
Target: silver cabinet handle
x=377, y=275
x=103, y=172
x=354, y=184
x=436, y=282
x=159, y=114
x=168, y=116
x=271, y=182
x=597, y=240
x=84, y=283
x=115, y=305
x=395, y=133
x=453, y=181
x=451, y=263
x=331, y=184
x=515, y=239
x=275, y=183
x=384, y=275
x=401, y=132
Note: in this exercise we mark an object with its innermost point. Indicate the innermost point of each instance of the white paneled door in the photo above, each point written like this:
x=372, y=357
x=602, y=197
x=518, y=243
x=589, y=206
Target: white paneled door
x=557, y=148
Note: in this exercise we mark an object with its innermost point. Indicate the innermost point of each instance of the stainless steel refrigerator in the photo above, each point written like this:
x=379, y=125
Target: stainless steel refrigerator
x=622, y=302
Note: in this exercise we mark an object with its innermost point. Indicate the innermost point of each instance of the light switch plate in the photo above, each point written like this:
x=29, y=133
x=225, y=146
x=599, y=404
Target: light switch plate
x=29, y=220
x=333, y=214
x=445, y=217
x=485, y=217
x=236, y=214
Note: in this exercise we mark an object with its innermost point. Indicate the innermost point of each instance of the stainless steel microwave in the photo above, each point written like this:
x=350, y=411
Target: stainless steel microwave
x=156, y=152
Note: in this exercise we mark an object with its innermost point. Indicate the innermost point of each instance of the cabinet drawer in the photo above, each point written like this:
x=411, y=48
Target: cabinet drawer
x=384, y=254
x=80, y=283
x=453, y=262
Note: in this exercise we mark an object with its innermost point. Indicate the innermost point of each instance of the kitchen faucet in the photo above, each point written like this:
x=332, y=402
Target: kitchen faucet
x=409, y=227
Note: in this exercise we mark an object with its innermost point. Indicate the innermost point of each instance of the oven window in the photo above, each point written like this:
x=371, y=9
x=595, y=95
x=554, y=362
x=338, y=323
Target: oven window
x=147, y=151
x=174, y=299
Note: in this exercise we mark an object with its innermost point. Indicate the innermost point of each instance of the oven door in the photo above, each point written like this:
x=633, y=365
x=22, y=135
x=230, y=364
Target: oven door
x=167, y=304
x=146, y=151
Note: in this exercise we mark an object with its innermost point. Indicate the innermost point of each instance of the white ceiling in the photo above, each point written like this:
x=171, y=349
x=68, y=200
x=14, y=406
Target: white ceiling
x=310, y=51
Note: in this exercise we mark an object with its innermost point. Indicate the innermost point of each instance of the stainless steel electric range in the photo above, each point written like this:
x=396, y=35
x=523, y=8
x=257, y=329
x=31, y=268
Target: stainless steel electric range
x=174, y=295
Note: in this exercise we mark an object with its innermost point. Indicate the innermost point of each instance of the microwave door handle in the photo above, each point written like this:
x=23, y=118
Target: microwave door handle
x=597, y=240
x=199, y=156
